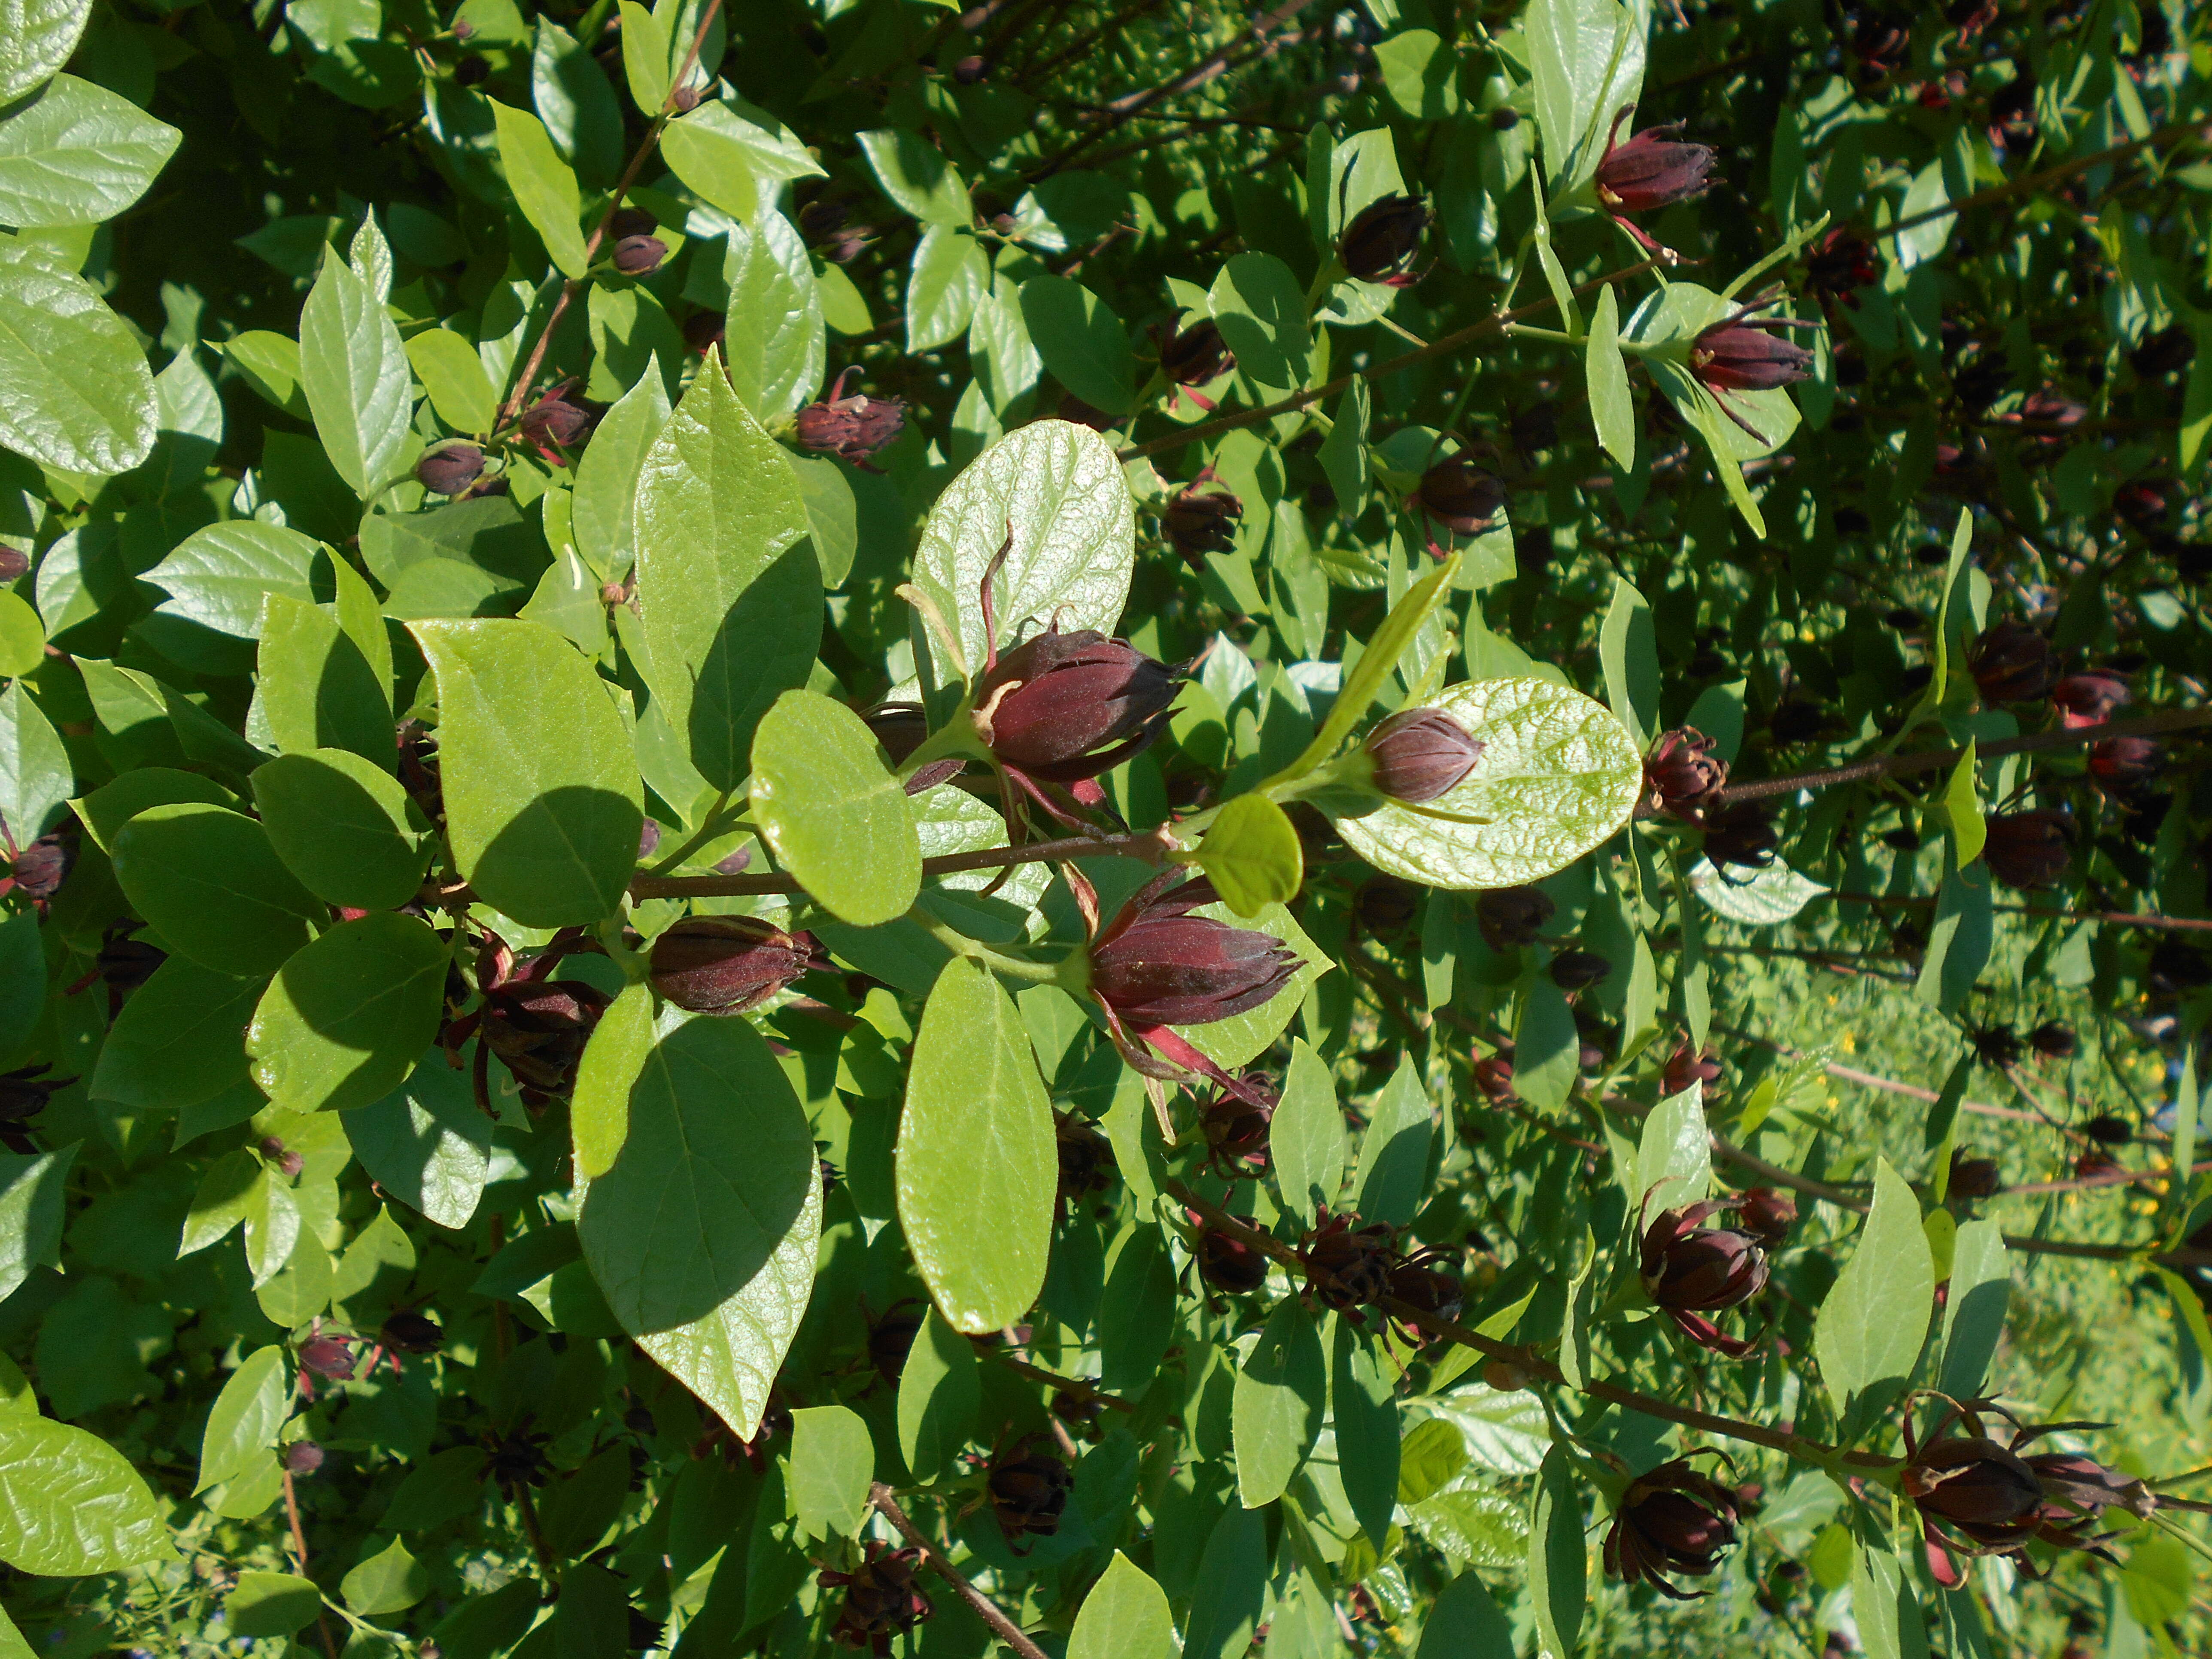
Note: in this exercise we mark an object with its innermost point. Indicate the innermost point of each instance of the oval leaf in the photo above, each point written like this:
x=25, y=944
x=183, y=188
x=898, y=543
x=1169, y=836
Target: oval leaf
x=1124, y=1616
x=831, y=811
x=69, y=1504
x=340, y=823
x=206, y=880
x=74, y=390
x=344, y=1019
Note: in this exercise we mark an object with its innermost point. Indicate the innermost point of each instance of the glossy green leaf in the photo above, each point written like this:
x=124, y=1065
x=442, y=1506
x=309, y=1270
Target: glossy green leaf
x=977, y=1162
x=453, y=375
x=646, y=66
x=940, y=1397
x=318, y=689
x=1870, y=1331
x=32, y=1204
x=1275, y=1412
x=1305, y=1137
x=180, y=1040
x=77, y=155
x=916, y=177
x=578, y=104
x=603, y=513
x=389, y=1581
x=1628, y=647
x=544, y=186
x=1466, y=1623
x=272, y=1229
x=1081, y=341
x=774, y=340
x=74, y=390
x=71, y=1504
x=543, y=799
x=734, y=155
x=341, y=825
x=218, y=577
x=727, y=587
x=246, y=1417
x=36, y=39
x=427, y=1144
x=948, y=278
x=1962, y=805
x=1253, y=854
x=1612, y=411
x=833, y=1461
x=1365, y=682
x=1364, y=1410
x=207, y=881
x=36, y=779
x=1124, y=1615
x=832, y=515
x=1974, y=1308
x=22, y=979
x=269, y=363
x=1394, y=1153
x=1059, y=488
x=832, y=812
x=1232, y=1587
x=1757, y=898
x=1675, y=1159
x=1557, y=1564
x=1586, y=59
x=1557, y=776
x=702, y=1235
x=599, y=1113
x=272, y=1603
x=1259, y=305
x=342, y=1024
x=354, y=371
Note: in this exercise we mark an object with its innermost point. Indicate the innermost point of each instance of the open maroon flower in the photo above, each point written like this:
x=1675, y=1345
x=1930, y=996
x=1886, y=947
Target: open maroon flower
x=851, y=427
x=726, y=964
x=1690, y=1271
x=1841, y=263
x=1348, y=1267
x=1192, y=357
x=1511, y=917
x=1673, y=1520
x=1235, y=1125
x=1028, y=1493
x=1422, y=1281
x=1688, y=1065
x=2089, y=698
x=1651, y=170
x=1157, y=965
x=1682, y=775
x=881, y=1598
x=1419, y=754
x=2028, y=849
x=1767, y=1215
x=1460, y=493
x=1741, y=835
x=1199, y=520
x=537, y=1026
x=2120, y=766
x=2013, y=663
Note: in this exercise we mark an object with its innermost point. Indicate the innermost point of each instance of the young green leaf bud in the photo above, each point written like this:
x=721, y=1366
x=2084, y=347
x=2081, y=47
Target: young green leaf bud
x=1419, y=754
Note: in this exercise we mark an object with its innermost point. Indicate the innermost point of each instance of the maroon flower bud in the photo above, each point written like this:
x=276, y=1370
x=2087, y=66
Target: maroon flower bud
x=1841, y=263
x=686, y=97
x=1087, y=1157
x=1735, y=355
x=2164, y=353
x=15, y=563
x=2052, y=1039
x=1348, y=1267
x=2089, y=698
x=448, y=469
x=1066, y=706
x=303, y=1457
x=1196, y=356
x=537, y=1029
x=1741, y=835
x=900, y=727
x=288, y=1162
x=1651, y=170
x=640, y=256
x=2120, y=766
x=1996, y=1045
x=1385, y=904
x=1158, y=964
x=1384, y=239
x=1687, y=1066
x=1494, y=1075
x=2028, y=849
x=1510, y=917
x=1767, y=1215
x=1690, y=1271
x=1972, y=1482
x=39, y=871
x=326, y=1356
x=554, y=423
x=851, y=428
x=409, y=1332
x=1197, y=521
x=1418, y=1281
x=2108, y=1131
x=1419, y=754
x=1672, y=1520
x=1229, y=1264
x=1028, y=1493
x=971, y=68
x=1972, y=1178
x=1681, y=775
x=124, y=963
x=726, y=964
x=1577, y=970
x=881, y=1598
x=1236, y=1129
x=1459, y=494
x=2012, y=664
x=702, y=329
x=891, y=1338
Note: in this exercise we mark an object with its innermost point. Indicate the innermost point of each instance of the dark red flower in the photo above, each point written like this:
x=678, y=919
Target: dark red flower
x=1690, y=1271
x=1741, y=835
x=1577, y=970
x=1459, y=493
x=1229, y=1264
x=37, y=870
x=1385, y=904
x=1199, y=520
x=1421, y=1281
x=640, y=256
x=1158, y=964
x=1196, y=356
x=2121, y=766
x=1682, y=775
x=881, y=1598
x=1972, y=1483
x=286, y=1161
x=1384, y=239
x=2089, y=698
x=1348, y=1267
x=726, y=964
x=448, y=469
x=1235, y=1125
x=828, y=228
x=2028, y=849
x=1419, y=754
x=15, y=563
x=1085, y=1156
x=303, y=1457
x=1767, y=1215
x=326, y=1356
x=2013, y=663
x=409, y=1332
x=1687, y=1066
x=1972, y=1178
x=1841, y=262
x=1510, y=917
x=554, y=423
x=1066, y=706
x=1672, y=1520
x=1651, y=170
x=2052, y=1039
x=851, y=427
x=1028, y=1493
x=1740, y=354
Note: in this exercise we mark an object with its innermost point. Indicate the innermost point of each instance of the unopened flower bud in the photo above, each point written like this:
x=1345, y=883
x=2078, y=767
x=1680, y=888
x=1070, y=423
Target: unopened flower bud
x=971, y=68
x=686, y=97
x=1577, y=970
x=1767, y=1215
x=1385, y=904
x=1028, y=1494
x=1651, y=170
x=1687, y=1066
x=1196, y=356
x=1971, y=1480
x=1229, y=1264
x=640, y=256
x=725, y=965
x=1736, y=355
x=1085, y=1156
x=1158, y=964
x=1384, y=239
x=2108, y=1131
x=15, y=563
x=1460, y=494
x=448, y=469
x=326, y=1356
x=851, y=428
x=277, y=1153
x=1419, y=754
x=2028, y=849
x=2120, y=766
x=1504, y=1377
x=1236, y=1129
x=2013, y=663
x=38, y=870
x=1681, y=775
x=1066, y=706
x=1673, y=1520
x=555, y=421
x=126, y=963
x=303, y=1457
x=1972, y=1178
x=1510, y=917
x=2089, y=698
x=704, y=329
x=409, y=1332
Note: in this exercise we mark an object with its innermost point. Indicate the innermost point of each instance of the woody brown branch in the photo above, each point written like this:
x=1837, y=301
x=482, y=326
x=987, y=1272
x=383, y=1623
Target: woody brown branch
x=989, y=1611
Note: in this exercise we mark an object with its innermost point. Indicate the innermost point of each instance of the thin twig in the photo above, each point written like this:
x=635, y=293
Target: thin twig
x=986, y=1609
x=2115, y=918
x=1075, y=1386
x=2029, y=183
x=299, y=1550
x=1868, y=1080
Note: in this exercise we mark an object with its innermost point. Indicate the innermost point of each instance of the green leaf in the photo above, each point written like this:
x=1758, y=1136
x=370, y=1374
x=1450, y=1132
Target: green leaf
x=702, y=1234
x=1890, y=1626
x=219, y=1203
x=545, y=188
x=1960, y=939
x=727, y=587
x=599, y=1113
x=1369, y=675
x=1081, y=341
x=1305, y=1137
x=1124, y=1616
x=774, y=340
x=269, y=363
x=1757, y=898
x=734, y=155
x=648, y=68
x=1429, y=1460
x=581, y=113
x=69, y=1504
x=31, y=1202
x=1364, y=1410
x=78, y=155
x=22, y=636
x=833, y=1463
x=1628, y=647
x=1869, y=1330
x=353, y=370
x=977, y=1164
x=1557, y=1564
x=318, y=689
x=1962, y=805
x=272, y=1604
x=36, y=39
x=426, y=1144
x=343, y=1020
x=22, y=980
x=219, y=576
x=36, y=779
x=180, y=1039
x=1259, y=307
x=341, y=825
x=832, y=812
x=543, y=800
x=1393, y=1154
x=940, y=1399
x=1344, y=455
x=272, y=1229
x=246, y=1417
x=453, y=374
x=1253, y=854
x=832, y=515
x=603, y=512
x=207, y=880
x=74, y=390
x=917, y=177
x=1586, y=59
x=1420, y=73
x=1466, y=1623
x=389, y=1581
x=948, y=278
x=1974, y=1307
x=1612, y=411
x=1232, y=1587
x=1275, y=1409
x=1558, y=775
x=1059, y=488
x=1675, y=1161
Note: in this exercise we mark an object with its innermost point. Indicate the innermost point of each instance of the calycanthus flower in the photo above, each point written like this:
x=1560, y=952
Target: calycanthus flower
x=1690, y=1271
x=1675, y=1519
